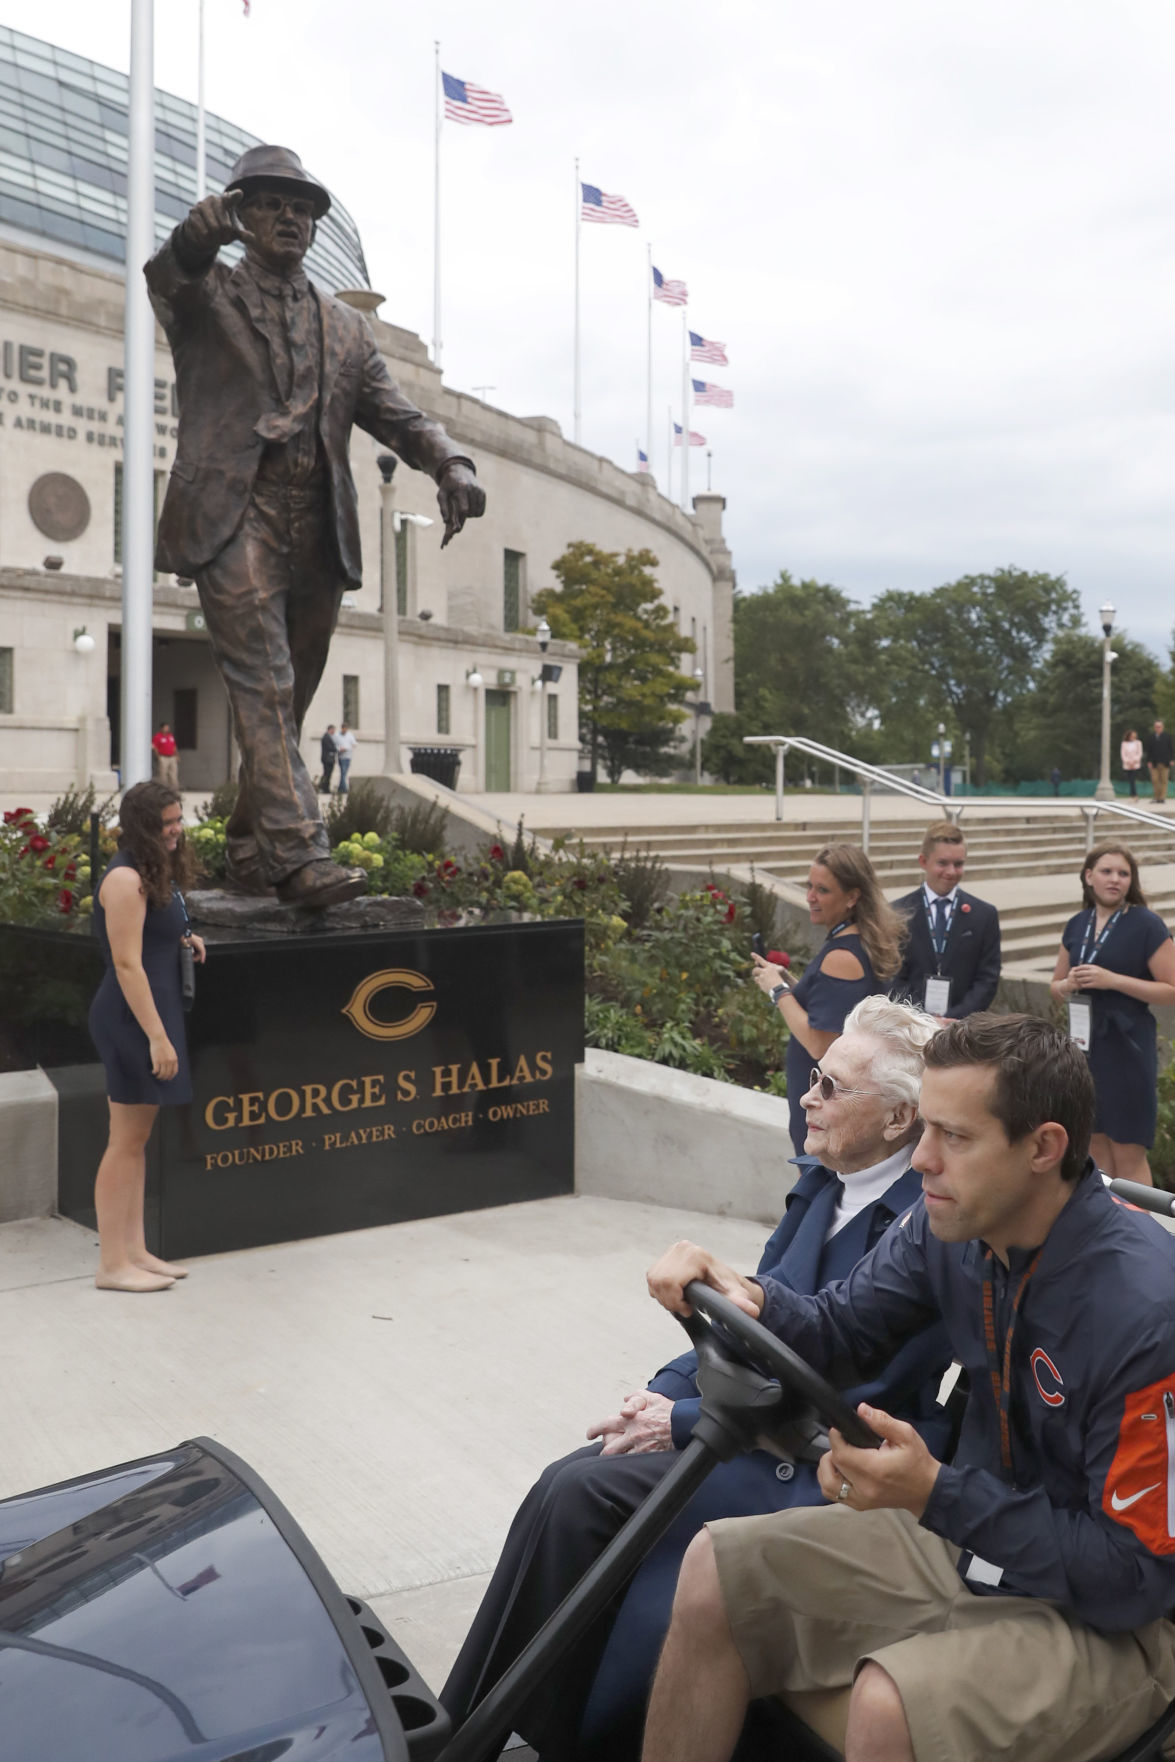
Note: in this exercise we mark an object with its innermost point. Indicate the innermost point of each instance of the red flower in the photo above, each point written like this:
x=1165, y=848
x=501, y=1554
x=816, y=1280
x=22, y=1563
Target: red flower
x=779, y=957
x=65, y=900
x=965, y=907
x=51, y=862
x=37, y=843
x=71, y=872
x=447, y=869
x=420, y=889
x=16, y=815
x=497, y=854
x=581, y=883
x=730, y=914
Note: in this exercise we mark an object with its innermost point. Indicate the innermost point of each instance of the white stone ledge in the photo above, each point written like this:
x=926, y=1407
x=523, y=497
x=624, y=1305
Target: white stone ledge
x=28, y=1145
x=663, y=1137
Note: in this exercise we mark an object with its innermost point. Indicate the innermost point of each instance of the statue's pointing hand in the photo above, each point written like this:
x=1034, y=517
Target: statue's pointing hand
x=460, y=497
x=215, y=222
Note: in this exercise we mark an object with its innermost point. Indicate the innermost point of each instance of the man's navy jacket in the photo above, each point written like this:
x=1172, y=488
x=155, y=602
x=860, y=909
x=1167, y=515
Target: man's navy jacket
x=1086, y=1515
x=971, y=959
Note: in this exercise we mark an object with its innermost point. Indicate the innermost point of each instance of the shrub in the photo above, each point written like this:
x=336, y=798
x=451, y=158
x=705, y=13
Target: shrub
x=363, y=809
x=44, y=876
x=761, y=909
x=71, y=811
x=221, y=802
x=643, y=879
x=391, y=869
x=420, y=826
x=209, y=847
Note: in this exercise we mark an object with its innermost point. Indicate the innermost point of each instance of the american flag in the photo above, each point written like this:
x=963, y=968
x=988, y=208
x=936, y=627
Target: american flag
x=468, y=103
x=607, y=210
x=674, y=293
x=642, y=460
x=707, y=393
x=695, y=439
x=702, y=349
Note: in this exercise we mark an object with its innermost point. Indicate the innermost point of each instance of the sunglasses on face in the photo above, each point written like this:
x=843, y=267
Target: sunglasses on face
x=830, y=1089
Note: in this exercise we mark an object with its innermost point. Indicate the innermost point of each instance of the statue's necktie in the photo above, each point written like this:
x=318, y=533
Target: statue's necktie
x=298, y=317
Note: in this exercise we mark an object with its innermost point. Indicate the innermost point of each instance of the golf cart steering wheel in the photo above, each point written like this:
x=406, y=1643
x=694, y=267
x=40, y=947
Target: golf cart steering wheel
x=716, y=1317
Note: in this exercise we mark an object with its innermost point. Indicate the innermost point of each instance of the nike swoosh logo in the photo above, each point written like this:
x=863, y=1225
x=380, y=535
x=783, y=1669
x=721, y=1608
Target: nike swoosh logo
x=1125, y=1504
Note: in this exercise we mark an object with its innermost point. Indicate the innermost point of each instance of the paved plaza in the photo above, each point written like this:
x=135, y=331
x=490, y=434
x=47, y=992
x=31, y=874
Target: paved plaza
x=399, y=1388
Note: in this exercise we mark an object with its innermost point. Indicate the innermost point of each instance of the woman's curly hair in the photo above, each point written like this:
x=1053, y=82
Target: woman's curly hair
x=140, y=832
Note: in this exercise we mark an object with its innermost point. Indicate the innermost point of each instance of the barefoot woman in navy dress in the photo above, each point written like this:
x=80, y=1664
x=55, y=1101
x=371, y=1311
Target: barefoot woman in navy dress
x=1117, y=956
x=137, y=1022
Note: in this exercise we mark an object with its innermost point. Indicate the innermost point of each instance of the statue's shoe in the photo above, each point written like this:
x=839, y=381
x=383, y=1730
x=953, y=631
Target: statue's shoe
x=321, y=883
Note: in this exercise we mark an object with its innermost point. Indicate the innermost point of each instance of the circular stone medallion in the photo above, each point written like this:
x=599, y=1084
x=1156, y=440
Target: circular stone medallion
x=59, y=506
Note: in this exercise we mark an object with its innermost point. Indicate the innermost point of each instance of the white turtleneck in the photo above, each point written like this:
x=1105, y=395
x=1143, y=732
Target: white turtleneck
x=867, y=1186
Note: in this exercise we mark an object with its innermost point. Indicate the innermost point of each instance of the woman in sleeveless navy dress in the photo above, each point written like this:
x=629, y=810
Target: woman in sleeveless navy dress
x=1117, y=957
x=862, y=953
x=137, y=1022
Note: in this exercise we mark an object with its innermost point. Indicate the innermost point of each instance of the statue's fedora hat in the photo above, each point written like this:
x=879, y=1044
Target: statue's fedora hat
x=281, y=167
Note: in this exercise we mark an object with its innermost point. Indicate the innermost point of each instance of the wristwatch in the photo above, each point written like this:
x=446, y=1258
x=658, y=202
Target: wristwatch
x=777, y=991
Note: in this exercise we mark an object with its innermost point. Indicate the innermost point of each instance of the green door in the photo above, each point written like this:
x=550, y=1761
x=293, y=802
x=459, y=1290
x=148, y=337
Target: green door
x=498, y=740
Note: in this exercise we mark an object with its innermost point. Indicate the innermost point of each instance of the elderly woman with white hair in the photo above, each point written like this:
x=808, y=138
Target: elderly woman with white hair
x=854, y=1181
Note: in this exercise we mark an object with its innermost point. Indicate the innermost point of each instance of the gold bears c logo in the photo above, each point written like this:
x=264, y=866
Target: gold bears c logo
x=391, y=979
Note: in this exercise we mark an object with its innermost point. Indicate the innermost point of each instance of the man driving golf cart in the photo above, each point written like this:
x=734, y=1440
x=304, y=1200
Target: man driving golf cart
x=1013, y=1602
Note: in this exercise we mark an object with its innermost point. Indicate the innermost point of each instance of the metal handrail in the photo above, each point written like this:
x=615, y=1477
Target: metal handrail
x=951, y=807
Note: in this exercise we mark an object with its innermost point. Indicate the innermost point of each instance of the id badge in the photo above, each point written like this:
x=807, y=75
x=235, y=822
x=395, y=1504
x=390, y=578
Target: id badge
x=1080, y=1024
x=937, y=997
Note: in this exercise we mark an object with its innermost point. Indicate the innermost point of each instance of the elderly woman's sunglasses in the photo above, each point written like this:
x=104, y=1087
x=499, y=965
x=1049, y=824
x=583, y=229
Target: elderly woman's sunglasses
x=830, y=1089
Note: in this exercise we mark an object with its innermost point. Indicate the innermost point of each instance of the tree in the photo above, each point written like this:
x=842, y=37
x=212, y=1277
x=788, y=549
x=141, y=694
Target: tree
x=971, y=647
x=797, y=662
x=1061, y=721
x=631, y=687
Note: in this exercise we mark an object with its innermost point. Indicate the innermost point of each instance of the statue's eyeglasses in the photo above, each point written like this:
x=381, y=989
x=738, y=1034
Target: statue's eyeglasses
x=830, y=1089
x=273, y=204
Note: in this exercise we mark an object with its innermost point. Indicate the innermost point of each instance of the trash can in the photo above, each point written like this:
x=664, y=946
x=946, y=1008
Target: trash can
x=441, y=763
x=584, y=782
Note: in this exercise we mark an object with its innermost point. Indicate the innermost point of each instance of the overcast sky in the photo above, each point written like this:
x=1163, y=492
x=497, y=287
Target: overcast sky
x=938, y=242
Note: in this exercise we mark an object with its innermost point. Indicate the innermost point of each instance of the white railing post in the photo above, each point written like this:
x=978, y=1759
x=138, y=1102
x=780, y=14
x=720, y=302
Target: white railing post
x=779, y=752
x=866, y=791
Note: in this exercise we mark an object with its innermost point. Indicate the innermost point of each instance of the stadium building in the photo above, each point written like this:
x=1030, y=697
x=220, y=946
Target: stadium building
x=468, y=674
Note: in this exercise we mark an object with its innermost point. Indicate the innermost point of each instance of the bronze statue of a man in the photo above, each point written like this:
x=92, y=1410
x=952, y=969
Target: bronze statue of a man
x=271, y=374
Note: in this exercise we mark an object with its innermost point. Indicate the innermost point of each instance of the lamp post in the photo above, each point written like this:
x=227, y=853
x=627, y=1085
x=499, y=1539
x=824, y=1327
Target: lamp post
x=543, y=633
x=699, y=678
x=387, y=596
x=475, y=682
x=1105, y=789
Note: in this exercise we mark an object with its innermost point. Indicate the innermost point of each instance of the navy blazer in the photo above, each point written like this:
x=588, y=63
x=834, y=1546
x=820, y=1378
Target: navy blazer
x=758, y=1482
x=971, y=961
x=797, y=1255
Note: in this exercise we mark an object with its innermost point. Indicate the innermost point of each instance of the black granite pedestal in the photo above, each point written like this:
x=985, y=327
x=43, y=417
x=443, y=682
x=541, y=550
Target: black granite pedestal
x=340, y=1079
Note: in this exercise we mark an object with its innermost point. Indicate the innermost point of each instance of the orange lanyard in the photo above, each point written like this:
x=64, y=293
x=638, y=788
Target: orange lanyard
x=1001, y=1378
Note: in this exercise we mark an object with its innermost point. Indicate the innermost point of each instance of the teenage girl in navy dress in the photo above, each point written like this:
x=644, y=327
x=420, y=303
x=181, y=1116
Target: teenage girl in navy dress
x=137, y=1022
x=1117, y=958
x=862, y=953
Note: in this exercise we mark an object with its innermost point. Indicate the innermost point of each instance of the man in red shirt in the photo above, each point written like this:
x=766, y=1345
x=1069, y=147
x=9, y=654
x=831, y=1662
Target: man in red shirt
x=167, y=765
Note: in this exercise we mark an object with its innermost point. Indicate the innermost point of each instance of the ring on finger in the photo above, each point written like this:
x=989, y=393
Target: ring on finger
x=845, y=1490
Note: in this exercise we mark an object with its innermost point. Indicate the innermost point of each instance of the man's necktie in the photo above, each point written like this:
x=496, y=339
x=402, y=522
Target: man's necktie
x=940, y=921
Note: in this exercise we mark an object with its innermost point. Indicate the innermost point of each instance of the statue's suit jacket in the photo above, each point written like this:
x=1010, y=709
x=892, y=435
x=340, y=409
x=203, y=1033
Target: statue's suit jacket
x=215, y=323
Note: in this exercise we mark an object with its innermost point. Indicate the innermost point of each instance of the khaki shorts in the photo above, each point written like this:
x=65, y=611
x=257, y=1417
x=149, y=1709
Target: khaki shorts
x=811, y=1593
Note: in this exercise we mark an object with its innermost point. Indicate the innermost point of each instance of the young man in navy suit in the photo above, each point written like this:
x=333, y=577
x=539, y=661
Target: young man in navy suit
x=951, y=967
x=854, y=1181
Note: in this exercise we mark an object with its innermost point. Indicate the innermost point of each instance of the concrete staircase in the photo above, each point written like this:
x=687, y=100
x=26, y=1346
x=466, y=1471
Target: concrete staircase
x=1027, y=863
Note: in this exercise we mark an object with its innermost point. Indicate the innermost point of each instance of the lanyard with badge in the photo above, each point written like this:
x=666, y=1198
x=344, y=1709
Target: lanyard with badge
x=1080, y=1009
x=937, y=995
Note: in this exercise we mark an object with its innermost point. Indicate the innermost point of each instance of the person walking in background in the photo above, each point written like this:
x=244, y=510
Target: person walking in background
x=345, y=743
x=861, y=954
x=1116, y=960
x=1159, y=753
x=167, y=764
x=951, y=963
x=330, y=753
x=137, y=1022
x=1131, y=754
x=1055, y=779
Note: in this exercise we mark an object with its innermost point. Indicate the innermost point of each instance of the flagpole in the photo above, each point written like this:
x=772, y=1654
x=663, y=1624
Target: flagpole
x=138, y=522
x=201, y=166
x=649, y=368
x=577, y=425
x=669, y=456
x=436, y=217
x=685, y=416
